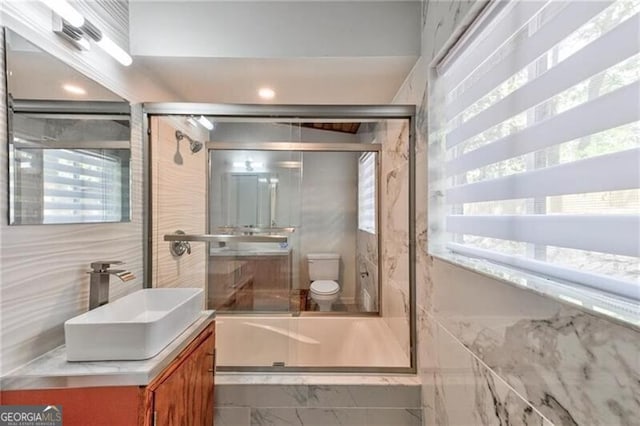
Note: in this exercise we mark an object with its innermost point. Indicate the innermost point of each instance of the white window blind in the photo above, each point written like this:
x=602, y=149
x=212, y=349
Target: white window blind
x=534, y=137
x=367, y=193
x=81, y=186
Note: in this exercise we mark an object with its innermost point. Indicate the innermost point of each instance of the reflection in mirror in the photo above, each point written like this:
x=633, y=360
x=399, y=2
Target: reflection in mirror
x=258, y=188
x=69, y=142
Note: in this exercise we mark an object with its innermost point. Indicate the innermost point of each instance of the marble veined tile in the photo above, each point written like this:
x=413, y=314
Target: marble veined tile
x=365, y=396
x=459, y=390
x=336, y=417
x=228, y=416
x=261, y=395
x=576, y=368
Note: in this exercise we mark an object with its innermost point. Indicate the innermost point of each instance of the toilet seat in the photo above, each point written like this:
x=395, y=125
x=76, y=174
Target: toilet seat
x=325, y=287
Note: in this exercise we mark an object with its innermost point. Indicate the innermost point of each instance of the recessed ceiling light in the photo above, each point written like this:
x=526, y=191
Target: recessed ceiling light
x=266, y=93
x=76, y=90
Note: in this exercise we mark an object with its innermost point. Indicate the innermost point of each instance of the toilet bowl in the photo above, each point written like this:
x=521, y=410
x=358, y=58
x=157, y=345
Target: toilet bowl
x=324, y=271
x=324, y=293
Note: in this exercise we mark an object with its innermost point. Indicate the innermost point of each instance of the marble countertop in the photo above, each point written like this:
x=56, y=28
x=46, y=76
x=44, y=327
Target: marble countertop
x=52, y=370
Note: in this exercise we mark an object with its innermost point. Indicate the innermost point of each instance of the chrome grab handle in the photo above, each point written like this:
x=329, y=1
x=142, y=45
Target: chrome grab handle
x=224, y=238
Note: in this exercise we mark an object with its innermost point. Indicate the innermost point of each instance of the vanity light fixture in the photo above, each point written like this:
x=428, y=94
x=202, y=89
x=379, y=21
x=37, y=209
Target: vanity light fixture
x=192, y=121
x=76, y=90
x=67, y=12
x=73, y=35
x=79, y=35
x=266, y=93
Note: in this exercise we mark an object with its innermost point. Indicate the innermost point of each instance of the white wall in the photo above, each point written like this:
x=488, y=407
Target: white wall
x=330, y=213
x=263, y=29
x=43, y=280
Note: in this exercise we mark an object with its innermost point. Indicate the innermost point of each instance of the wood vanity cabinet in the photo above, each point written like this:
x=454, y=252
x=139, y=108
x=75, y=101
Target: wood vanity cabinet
x=182, y=394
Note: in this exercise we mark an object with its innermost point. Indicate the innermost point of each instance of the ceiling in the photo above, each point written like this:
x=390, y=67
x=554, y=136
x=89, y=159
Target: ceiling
x=308, y=52
x=295, y=80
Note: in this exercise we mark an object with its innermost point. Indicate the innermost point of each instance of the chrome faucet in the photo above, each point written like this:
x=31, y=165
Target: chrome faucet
x=99, y=282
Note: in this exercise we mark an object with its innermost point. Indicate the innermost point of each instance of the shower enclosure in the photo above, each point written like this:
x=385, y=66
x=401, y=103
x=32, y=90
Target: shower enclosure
x=273, y=187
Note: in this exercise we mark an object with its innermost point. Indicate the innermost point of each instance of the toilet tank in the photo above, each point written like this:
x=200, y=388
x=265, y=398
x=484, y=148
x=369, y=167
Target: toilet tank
x=324, y=266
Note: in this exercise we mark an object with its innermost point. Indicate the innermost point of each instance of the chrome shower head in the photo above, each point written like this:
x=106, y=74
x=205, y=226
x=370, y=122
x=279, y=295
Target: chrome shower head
x=194, y=145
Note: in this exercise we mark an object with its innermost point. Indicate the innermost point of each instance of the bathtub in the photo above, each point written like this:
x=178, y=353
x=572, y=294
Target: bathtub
x=261, y=341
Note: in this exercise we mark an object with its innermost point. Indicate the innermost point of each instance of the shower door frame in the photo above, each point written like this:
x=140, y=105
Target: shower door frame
x=336, y=112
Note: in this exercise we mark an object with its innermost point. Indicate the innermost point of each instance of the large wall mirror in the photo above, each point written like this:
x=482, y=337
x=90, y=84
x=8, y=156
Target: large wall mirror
x=69, y=142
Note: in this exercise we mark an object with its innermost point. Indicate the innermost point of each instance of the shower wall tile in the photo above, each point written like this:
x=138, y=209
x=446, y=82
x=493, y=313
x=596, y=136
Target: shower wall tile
x=394, y=232
x=573, y=366
x=262, y=395
x=364, y=396
x=179, y=202
x=367, y=262
x=232, y=416
x=387, y=402
x=335, y=417
x=458, y=389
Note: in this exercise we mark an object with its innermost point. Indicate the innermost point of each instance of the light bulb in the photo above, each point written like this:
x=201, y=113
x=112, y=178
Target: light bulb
x=115, y=51
x=205, y=122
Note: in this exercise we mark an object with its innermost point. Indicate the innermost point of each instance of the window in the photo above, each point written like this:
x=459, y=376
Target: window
x=367, y=193
x=534, y=139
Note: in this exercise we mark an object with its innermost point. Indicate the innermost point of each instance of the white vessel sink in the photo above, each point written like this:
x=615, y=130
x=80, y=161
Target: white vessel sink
x=136, y=326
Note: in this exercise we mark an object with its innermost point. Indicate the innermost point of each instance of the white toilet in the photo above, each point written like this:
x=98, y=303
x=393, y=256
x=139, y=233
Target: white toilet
x=324, y=270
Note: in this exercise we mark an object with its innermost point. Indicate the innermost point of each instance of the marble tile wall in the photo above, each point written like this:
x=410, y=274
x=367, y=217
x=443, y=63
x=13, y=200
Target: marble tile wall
x=367, y=269
x=326, y=405
x=572, y=366
x=179, y=197
x=491, y=353
x=394, y=218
